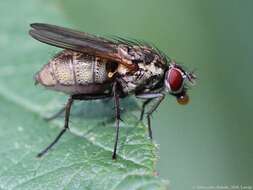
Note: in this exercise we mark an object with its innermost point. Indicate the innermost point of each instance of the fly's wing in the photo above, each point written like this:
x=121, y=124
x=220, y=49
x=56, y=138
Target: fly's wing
x=77, y=41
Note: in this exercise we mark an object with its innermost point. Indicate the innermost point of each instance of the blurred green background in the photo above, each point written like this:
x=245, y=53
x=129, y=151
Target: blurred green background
x=208, y=142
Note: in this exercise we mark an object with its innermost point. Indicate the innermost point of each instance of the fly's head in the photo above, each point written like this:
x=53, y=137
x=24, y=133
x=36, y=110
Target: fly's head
x=177, y=81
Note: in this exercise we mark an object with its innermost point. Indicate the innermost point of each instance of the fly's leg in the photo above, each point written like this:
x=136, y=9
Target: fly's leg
x=143, y=108
x=55, y=115
x=66, y=126
x=149, y=113
x=78, y=97
x=117, y=118
x=150, y=97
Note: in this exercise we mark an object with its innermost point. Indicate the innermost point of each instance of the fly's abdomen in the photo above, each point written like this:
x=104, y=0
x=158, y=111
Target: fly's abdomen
x=70, y=68
x=63, y=70
x=89, y=69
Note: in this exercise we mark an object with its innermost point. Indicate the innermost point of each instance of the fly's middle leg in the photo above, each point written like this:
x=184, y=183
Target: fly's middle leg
x=55, y=115
x=117, y=118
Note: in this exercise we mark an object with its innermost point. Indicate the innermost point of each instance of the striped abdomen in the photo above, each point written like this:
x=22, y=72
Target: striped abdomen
x=72, y=69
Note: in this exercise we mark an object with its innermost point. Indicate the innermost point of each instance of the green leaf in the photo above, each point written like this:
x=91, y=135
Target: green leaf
x=82, y=158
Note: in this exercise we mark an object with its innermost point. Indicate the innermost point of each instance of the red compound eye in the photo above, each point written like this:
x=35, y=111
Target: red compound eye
x=174, y=80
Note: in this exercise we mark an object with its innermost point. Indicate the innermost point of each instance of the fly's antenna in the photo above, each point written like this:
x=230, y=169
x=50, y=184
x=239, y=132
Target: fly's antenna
x=191, y=77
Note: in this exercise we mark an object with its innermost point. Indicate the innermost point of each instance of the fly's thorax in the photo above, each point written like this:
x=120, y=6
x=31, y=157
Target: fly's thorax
x=147, y=76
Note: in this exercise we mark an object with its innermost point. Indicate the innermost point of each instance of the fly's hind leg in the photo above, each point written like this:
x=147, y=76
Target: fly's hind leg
x=55, y=115
x=78, y=97
x=149, y=98
x=66, y=126
x=67, y=113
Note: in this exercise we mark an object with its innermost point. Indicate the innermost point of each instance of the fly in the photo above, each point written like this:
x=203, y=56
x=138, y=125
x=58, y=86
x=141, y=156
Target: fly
x=92, y=67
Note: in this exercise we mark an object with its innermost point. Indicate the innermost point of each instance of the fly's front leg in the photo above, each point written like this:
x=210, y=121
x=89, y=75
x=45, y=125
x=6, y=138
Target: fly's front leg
x=149, y=98
x=66, y=126
x=117, y=118
x=145, y=103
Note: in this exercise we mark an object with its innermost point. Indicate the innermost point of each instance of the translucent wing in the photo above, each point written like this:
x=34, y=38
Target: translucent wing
x=77, y=41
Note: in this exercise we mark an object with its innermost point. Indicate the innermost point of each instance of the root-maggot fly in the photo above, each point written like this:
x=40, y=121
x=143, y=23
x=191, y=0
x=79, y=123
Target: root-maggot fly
x=92, y=67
